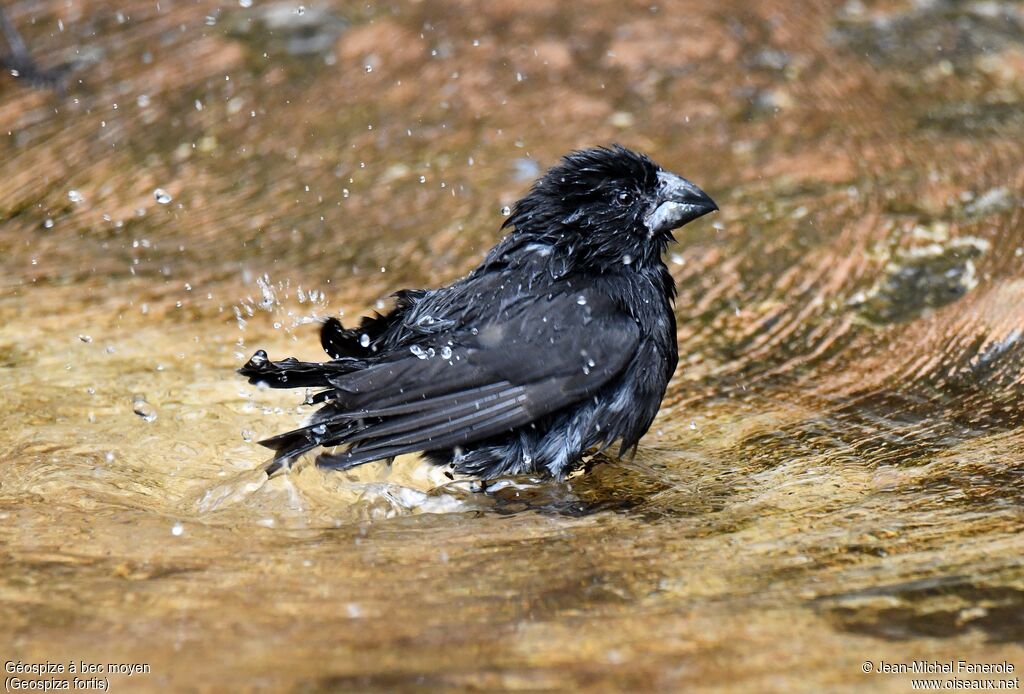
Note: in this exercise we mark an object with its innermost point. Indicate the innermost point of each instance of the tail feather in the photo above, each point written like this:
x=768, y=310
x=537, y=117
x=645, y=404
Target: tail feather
x=325, y=432
x=292, y=373
x=384, y=408
x=329, y=426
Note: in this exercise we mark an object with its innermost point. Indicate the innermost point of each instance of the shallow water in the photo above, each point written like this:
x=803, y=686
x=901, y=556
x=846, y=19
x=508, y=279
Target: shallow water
x=837, y=474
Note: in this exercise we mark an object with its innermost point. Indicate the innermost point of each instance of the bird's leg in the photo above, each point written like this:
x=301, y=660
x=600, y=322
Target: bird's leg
x=20, y=63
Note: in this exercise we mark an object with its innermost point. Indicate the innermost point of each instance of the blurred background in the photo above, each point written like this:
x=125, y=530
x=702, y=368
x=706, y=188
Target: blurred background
x=837, y=474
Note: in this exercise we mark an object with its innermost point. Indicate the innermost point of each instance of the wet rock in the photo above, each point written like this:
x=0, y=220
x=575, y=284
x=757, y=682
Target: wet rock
x=999, y=360
x=936, y=608
x=653, y=43
x=557, y=55
x=384, y=42
x=772, y=59
x=921, y=278
x=1006, y=68
x=762, y=103
x=288, y=28
x=930, y=32
x=974, y=118
x=990, y=202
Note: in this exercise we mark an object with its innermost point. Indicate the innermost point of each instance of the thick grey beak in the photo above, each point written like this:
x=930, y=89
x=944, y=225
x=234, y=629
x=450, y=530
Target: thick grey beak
x=679, y=202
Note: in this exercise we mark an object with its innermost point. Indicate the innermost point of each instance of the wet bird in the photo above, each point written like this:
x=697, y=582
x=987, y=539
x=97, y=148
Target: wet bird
x=561, y=342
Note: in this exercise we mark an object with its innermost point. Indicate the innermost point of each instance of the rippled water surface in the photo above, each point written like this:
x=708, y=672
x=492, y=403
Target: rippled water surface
x=837, y=474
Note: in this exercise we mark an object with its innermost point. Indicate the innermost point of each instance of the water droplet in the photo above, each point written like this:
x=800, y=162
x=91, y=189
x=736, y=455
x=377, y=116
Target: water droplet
x=162, y=196
x=85, y=338
x=142, y=100
x=245, y=3
x=627, y=259
x=75, y=196
x=506, y=211
x=142, y=408
x=109, y=456
x=269, y=299
x=177, y=529
x=677, y=259
x=364, y=340
x=301, y=10
x=48, y=223
x=368, y=68
x=259, y=358
x=693, y=425
x=423, y=179
x=418, y=351
x=247, y=435
x=446, y=352
x=581, y=300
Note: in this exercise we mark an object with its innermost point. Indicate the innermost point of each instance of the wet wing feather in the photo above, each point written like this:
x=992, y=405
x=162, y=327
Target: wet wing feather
x=524, y=364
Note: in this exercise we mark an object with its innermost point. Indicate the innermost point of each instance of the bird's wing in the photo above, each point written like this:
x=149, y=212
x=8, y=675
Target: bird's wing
x=362, y=342
x=535, y=357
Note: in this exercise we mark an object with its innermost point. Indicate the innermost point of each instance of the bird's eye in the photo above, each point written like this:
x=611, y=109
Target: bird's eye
x=624, y=198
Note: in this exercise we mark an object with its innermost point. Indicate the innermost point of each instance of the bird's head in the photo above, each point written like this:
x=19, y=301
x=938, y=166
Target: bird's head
x=608, y=206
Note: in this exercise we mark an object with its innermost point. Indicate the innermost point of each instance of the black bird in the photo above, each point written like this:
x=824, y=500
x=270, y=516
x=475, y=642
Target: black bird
x=562, y=341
